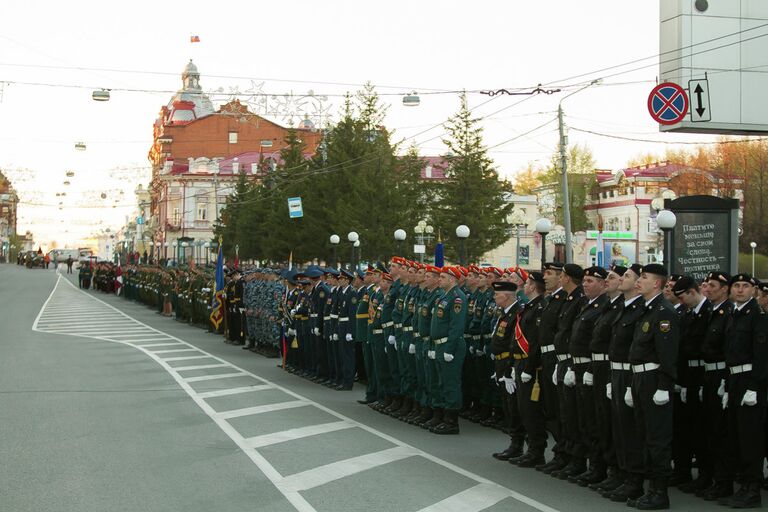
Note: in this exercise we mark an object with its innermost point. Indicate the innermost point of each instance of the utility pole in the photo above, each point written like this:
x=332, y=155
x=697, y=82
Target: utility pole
x=564, y=171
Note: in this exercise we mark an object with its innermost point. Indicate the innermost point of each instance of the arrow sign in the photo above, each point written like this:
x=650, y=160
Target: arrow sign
x=698, y=90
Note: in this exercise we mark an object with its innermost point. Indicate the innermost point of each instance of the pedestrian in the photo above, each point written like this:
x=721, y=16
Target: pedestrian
x=70, y=262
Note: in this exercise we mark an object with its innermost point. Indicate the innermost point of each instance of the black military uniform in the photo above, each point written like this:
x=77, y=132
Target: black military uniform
x=653, y=355
x=746, y=354
x=347, y=310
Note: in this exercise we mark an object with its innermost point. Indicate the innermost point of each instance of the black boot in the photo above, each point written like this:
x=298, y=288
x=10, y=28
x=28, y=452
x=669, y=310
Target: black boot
x=482, y=414
x=424, y=417
x=493, y=417
x=556, y=464
x=614, y=479
x=746, y=497
x=437, y=418
x=576, y=467
x=631, y=489
x=595, y=474
x=450, y=424
x=404, y=409
x=655, y=499
x=717, y=491
x=530, y=460
x=415, y=412
x=702, y=482
x=511, y=452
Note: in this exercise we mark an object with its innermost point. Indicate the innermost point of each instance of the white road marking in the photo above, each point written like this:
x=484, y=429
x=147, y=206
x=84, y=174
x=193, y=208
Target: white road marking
x=198, y=367
x=170, y=351
x=475, y=498
x=315, y=477
x=261, y=409
x=296, y=433
x=156, y=344
x=182, y=358
x=288, y=485
x=202, y=378
x=232, y=391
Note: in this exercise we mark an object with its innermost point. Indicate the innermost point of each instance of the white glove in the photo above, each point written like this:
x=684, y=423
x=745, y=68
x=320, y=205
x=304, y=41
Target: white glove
x=554, y=376
x=509, y=384
x=411, y=348
x=448, y=357
x=431, y=354
x=293, y=312
x=725, y=400
x=570, y=378
x=493, y=377
x=471, y=350
x=335, y=337
x=661, y=397
x=525, y=377
x=628, y=398
x=291, y=332
x=588, y=379
x=316, y=331
x=721, y=389
x=391, y=340
x=493, y=357
x=684, y=395
x=395, y=347
x=701, y=394
x=480, y=352
x=750, y=398
x=349, y=336
x=608, y=391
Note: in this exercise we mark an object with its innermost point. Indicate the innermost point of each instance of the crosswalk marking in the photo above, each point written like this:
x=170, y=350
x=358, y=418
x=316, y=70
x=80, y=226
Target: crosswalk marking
x=475, y=498
x=183, y=358
x=232, y=391
x=328, y=473
x=160, y=344
x=214, y=377
x=199, y=367
x=296, y=433
x=260, y=409
x=172, y=350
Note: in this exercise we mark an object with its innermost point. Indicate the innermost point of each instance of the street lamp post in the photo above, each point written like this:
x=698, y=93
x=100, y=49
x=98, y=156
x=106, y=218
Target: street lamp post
x=334, y=244
x=207, y=246
x=666, y=220
x=753, y=245
x=165, y=252
x=356, y=253
x=400, y=237
x=175, y=245
x=353, y=237
x=423, y=236
x=184, y=246
x=462, y=232
x=543, y=227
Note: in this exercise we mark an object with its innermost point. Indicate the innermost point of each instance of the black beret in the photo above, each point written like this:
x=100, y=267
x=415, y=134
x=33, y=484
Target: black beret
x=675, y=277
x=762, y=285
x=596, y=272
x=636, y=268
x=536, y=277
x=618, y=269
x=553, y=265
x=717, y=275
x=504, y=286
x=655, y=268
x=743, y=278
x=573, y=270
x=682, y=285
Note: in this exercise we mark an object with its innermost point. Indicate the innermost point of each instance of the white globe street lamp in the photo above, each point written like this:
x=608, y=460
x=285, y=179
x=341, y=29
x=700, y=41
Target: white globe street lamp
x=666, y=221
x=543, y=227
x=753, y=245
x=462, y=232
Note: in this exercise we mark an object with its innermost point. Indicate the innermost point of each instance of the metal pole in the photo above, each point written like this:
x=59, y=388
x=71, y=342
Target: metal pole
x=421, y=242
x=517, y=247
x=543, y=250
x=564, y=171
x=463, y=252
x=352, y=259
x=753, y=262
x=334, y=256
x=668, y=249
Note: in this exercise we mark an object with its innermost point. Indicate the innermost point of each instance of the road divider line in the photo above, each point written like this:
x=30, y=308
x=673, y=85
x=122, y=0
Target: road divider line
x=297, y=433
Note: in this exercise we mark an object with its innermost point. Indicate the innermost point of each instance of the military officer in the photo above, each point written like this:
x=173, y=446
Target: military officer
x=431, y=405
x=363, y=320
x=347, y=309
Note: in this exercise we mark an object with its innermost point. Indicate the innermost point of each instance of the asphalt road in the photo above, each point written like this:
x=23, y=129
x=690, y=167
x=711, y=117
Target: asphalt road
x=105, y=405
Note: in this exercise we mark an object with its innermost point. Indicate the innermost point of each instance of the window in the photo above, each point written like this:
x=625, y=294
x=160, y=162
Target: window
x=627, y=223
x=202, y=211
x=235, y=167
x=233, y=137
x=176, y=217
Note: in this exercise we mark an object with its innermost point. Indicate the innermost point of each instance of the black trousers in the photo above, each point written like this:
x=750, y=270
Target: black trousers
x=549, y=401
x=654, y=425
x=347, y=359
x=569, y=413
x=601, y=371
x=589, y=442
x=689, y=439
x=716, y=428
x=509, y=403
x=531, y=412
x=746, y=428
x=626, y=440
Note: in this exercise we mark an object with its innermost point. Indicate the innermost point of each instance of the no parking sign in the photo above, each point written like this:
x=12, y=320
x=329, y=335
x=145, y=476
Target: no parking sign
x=668, y=103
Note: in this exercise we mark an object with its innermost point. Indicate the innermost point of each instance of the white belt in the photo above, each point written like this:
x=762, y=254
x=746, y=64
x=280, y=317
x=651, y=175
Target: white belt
x=645, y=367
x=563, y=357
x=709, y=367
x=476, y=337
x=582, y=360
x=467, y=336
x=425, y=338
x=333, y=316
x=599, y=357
x=313, y=315
x=487, y=336
x=695, y=363
x=388, y=324
x=620, y=366
x=344, y=319
x=547, y=348
x=407, y=329
x=741, y=368
x=398, y=326
x=440, y=341
x=377, y=331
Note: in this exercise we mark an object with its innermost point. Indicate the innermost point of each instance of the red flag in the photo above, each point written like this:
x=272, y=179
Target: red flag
x=118, y=279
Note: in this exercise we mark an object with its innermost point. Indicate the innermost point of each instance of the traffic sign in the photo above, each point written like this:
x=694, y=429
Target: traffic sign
x=698, y=90
x=668, y=103
x=295, y=209
x=139, y=220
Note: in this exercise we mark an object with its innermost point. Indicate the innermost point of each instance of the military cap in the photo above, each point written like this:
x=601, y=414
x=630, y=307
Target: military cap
x=380, y=267
x=303, y=282
x=636, y=268
x=573, y=270
x=504, y=286
x=398, y=260
x=553, y=265
x=452, y=271
x=674, y=277
x=332, y=272
x=346, y=274
x=743, y=278
x=386, y=276
x=720, y=276
x=360, y=273
x=496, y=271
x=596, y=271
x=682, y=285
x=433, y=269
x=370, y=270
x=474, y=269
x=618, y=270
x=655, y=269
x=536, y=277
x=313, y=272
x=522, y=273
x=464, y=271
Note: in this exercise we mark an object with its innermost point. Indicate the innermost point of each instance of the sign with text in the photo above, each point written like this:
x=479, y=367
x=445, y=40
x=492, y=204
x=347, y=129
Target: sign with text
x=295, y=209
x=705, y=236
